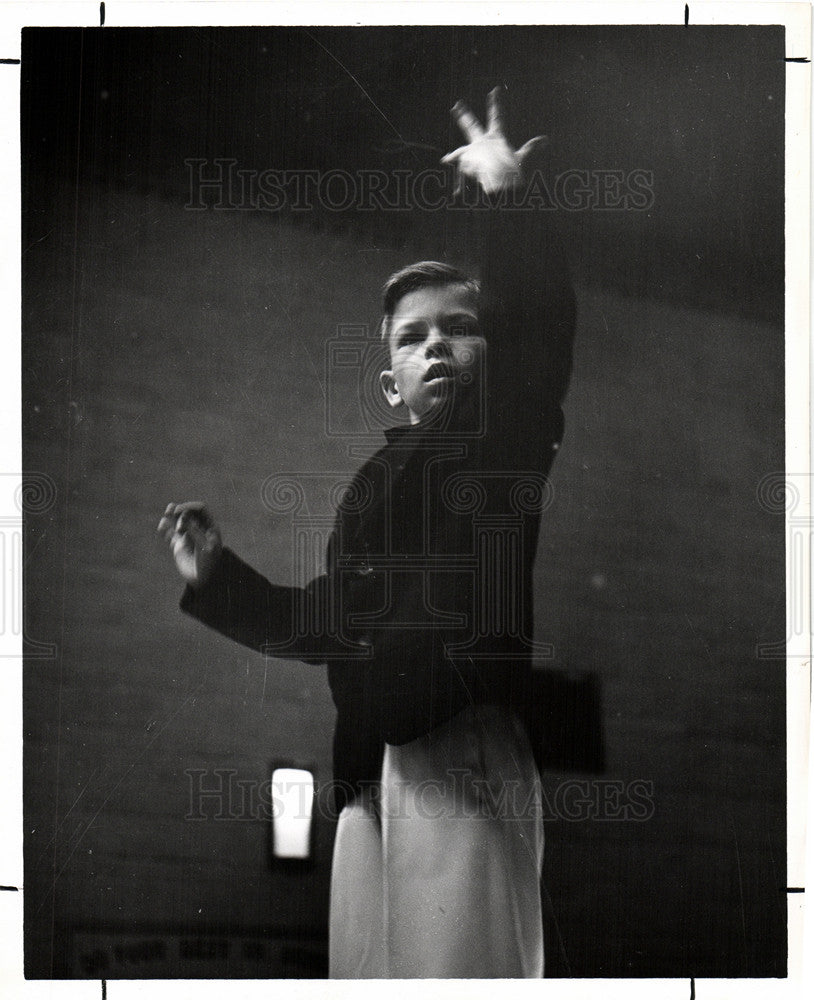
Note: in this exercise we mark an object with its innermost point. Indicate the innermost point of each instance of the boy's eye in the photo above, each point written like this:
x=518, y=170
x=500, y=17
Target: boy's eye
x=410, y=335
x=462, y=328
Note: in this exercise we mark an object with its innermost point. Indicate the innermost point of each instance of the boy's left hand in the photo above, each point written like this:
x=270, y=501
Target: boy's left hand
x=488, y=158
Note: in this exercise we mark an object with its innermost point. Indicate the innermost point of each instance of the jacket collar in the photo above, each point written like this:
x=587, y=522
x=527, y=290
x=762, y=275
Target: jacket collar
x=411, y=432
x=400, y=433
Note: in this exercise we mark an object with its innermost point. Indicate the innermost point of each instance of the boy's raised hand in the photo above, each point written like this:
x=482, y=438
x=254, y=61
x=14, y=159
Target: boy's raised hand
x=194, y=540
x=487, y=157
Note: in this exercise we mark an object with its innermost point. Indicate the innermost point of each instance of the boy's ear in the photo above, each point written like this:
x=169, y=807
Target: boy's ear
x=390, y=389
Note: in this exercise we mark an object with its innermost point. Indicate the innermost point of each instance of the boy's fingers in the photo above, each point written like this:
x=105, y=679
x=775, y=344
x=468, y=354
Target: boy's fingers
x=454, y=155
x=165, y=526
x=165, y=517
x=467, y=122
x=538, y=142
x=494, y=110
x=188, y=526
x=197, y=535
x=195, y=506
x=193, y=511
x=169, y=521
x=180, y=543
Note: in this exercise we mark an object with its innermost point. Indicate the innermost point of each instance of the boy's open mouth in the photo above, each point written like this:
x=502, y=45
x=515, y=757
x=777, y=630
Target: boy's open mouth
x=439, y=370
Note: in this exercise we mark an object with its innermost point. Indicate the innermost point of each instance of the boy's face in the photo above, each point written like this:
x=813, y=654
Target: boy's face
x=435, y=349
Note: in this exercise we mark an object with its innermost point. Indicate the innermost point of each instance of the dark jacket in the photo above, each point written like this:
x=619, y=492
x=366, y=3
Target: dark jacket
x=426, y=605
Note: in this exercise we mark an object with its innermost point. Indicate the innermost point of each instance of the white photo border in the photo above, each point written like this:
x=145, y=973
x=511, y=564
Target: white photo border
x=119, y=13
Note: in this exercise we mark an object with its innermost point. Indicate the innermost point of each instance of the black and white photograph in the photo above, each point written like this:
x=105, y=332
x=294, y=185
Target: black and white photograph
x=413, y=566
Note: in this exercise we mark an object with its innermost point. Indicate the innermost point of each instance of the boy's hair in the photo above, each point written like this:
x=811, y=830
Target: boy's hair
x=424, y=274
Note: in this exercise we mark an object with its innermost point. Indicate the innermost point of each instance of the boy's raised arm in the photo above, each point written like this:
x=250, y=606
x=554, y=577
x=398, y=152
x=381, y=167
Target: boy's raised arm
x=527, y=309
x=526, y=315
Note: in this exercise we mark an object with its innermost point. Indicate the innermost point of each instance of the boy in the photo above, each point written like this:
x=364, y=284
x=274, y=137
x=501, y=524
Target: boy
x=424, y=616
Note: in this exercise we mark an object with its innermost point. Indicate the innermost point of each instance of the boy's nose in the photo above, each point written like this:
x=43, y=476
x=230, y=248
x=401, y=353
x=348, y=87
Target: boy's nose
x=436, y=344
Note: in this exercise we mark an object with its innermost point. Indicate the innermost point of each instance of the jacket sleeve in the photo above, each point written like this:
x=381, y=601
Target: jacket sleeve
x=286, y=622
x=528, y=315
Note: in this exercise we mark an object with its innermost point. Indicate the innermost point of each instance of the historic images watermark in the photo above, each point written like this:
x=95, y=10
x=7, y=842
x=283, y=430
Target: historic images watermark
x=21, y=498
x=789, y=495
x=222, y=184
x=221, y=795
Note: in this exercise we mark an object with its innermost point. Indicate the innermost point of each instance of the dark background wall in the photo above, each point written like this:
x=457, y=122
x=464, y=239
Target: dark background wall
x=170, y=354
x=702, y=108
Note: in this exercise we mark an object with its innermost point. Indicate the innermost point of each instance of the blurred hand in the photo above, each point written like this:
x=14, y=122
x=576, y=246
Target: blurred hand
x=488, y=158
x=194, y=540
